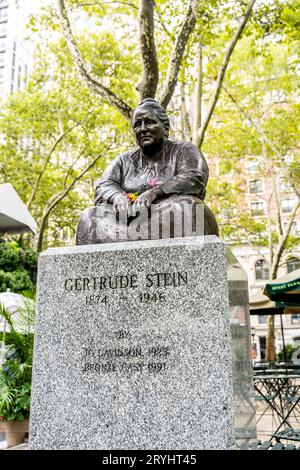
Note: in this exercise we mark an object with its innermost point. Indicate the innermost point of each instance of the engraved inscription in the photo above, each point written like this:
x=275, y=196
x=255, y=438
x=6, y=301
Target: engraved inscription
x=125, y=281
x=131, y=359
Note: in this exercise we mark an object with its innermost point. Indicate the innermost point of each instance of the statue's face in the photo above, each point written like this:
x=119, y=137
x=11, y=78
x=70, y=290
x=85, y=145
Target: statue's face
x=148, y=128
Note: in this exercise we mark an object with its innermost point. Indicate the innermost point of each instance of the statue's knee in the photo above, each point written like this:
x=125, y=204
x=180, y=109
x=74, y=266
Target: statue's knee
x=83, y=232
x=210, y=223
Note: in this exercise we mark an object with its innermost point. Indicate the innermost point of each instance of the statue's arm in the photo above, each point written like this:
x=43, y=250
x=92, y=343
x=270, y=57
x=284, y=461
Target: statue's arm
x=191, y=174
x=109, y=185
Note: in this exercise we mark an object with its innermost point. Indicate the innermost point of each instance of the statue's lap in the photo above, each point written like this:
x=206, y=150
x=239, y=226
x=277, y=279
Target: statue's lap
x=172, y=217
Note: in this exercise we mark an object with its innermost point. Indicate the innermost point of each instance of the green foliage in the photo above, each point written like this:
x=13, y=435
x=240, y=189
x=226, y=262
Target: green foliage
x=55, y=127
x=18, y=267
x=16, y=281
x=289, y=350
x=265, y=89
x=16, y=365
x=66, y=127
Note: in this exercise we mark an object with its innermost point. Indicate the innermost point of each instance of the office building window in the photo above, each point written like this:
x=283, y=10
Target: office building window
x=296, y=319
x=19, y=76
x=284, y=185
x=3, y=12
x=261, y=270
x=2, y=58
x=257, y=208
x=3, y=27
x=262, y=346
x=255, y=186
x=287, y=205
x=262, y=319
x=293, y=264
x=294, y=228
x=25, y=74
x=252, y=166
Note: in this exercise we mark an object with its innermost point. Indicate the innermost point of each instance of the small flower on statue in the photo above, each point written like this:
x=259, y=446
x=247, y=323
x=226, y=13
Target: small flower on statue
x=153, y=182
x=133, y=196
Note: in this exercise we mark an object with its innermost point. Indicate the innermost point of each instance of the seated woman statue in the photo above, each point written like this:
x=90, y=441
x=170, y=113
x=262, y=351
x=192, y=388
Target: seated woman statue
x=154, y=191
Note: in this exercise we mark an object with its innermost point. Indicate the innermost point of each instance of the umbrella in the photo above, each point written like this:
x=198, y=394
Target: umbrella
x=285, y=292
x=11, y=301
x=260, y=304
x=14, y=215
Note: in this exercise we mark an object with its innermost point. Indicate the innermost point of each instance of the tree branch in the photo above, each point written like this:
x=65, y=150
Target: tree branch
x=94, y=85
x=198, y=91
x=92, y=4
x=177, y=55
x=282, y=240
x=163, y=24
x=147, y=86
x=40, y=175
x=264, y=137
x=222, y=71
x=56, y=198
x=71, y=167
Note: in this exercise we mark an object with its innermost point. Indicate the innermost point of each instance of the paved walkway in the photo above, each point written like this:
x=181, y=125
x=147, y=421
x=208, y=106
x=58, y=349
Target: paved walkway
x=267, y=422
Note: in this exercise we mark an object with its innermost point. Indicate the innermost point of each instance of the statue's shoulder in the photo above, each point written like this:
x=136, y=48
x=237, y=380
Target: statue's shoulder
x=128, y=156
x=186, y=147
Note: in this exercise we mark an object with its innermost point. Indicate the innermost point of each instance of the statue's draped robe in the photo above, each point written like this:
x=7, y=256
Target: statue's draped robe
x=181, y=170
x=181, y=173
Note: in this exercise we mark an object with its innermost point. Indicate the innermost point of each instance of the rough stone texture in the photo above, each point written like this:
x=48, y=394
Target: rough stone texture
x=175, y=390
x=244, y=399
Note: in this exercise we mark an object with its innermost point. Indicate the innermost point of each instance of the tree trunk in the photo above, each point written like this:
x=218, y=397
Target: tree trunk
x=148, y=85
x=222, y=71
x=93, y=84
x=197, y=112
x=186, y=131
x=176, y=57
x=270, y=346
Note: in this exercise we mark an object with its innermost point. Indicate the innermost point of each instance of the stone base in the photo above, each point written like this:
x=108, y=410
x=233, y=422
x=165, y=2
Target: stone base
x=134, y=348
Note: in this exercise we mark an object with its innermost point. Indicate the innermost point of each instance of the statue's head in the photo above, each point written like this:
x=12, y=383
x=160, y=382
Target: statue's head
x=150, y=124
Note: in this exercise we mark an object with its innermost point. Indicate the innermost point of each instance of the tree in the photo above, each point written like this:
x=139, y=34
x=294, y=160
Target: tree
x=51, y=142
x=192, y=12
x=258, y=114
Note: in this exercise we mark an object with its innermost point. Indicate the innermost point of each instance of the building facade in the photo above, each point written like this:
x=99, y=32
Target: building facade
x=268, y=199
x=16, y=44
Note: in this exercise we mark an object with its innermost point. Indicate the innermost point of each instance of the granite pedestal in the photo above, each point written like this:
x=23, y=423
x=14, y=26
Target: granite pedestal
x=142, y=345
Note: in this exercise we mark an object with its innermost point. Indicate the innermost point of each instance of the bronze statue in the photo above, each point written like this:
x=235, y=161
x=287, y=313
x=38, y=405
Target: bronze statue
x=140, y=191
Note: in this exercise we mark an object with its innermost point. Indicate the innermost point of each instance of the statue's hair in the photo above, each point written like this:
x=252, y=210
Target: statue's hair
x=161, y=113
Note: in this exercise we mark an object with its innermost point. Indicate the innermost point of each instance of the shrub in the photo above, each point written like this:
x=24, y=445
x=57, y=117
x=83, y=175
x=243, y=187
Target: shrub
x=16, y=367
x=18, y=267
